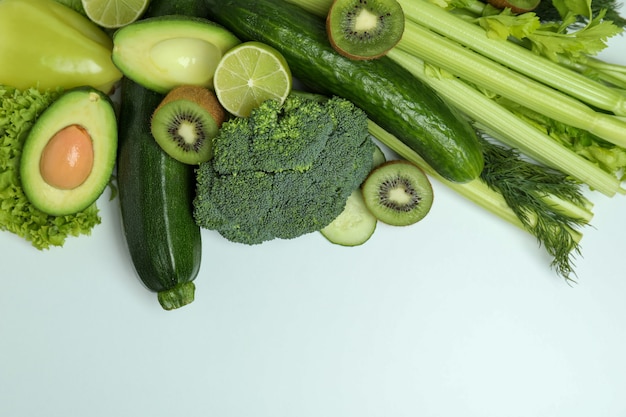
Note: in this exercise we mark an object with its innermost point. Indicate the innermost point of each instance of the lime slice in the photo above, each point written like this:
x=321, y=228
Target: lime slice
x=249, y=74
x=114, y=13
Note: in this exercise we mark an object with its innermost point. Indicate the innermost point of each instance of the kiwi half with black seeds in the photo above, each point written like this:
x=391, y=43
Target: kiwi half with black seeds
x=364, y=29
x=185, y=123
x=398, y=193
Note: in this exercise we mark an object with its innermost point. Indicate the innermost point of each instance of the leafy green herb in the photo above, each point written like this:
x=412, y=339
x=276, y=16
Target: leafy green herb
x=523, y=186
x=18, y=112
x=554, y=11
x=542, y=201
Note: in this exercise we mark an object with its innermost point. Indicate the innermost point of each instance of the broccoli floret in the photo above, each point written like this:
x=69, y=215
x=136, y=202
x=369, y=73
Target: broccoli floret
x=284, y=171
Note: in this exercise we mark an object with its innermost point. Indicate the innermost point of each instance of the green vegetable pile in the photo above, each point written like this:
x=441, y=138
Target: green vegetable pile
x=18, y=111
x=510, y=109
x=285, y=171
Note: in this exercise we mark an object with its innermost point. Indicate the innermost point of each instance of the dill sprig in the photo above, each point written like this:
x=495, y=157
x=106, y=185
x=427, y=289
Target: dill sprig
x=524, y=186
x=547, y=12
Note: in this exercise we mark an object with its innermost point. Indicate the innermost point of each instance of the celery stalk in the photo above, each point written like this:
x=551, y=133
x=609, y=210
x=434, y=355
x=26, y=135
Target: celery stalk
x=514, y=56
x=316, y=7
x=508, y=128
x=476, y=68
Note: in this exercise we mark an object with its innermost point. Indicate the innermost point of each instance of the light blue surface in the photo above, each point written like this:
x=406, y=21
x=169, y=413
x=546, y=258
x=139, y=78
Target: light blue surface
x=459, y=315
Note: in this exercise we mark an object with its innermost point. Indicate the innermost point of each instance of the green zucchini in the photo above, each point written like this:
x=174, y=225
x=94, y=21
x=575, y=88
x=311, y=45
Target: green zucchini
x=156, y=194
x=388, y=93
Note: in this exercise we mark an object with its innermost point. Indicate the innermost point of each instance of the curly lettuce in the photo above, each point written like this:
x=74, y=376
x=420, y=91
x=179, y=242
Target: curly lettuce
x=18, y=112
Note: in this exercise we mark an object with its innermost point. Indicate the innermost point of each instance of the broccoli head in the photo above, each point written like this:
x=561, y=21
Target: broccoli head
x=284, y=171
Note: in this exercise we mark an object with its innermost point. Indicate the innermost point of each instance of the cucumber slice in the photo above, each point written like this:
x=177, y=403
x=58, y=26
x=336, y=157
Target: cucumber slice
x=354, y=226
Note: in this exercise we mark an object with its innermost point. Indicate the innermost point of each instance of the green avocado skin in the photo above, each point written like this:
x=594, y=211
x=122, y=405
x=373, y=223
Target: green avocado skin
x=92, y=110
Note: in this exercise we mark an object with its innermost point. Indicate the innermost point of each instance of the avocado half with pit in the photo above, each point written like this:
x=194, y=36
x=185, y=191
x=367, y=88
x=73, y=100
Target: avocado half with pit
x=69, y=154
x=161, y=53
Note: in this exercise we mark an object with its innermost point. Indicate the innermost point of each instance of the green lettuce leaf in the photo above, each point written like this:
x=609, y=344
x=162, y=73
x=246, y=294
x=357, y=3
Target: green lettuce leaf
x=18, y=112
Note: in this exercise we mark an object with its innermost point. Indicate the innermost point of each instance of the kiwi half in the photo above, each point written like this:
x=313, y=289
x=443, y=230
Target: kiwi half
x=364, y=29
x=185, y=123
x=398, y=193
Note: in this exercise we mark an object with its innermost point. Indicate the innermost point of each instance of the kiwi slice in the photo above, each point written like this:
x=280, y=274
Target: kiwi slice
x=364, y=29
x=185, y=123
x=398, y=193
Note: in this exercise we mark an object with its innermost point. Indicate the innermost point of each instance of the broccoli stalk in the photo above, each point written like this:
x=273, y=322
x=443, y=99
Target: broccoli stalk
x=284, y=171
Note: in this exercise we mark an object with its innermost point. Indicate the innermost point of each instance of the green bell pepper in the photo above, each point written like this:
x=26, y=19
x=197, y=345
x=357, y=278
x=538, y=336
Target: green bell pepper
x=46, y=45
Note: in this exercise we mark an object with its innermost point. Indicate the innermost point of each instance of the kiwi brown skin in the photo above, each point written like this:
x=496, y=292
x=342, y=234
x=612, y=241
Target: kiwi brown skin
x=350, y=43
x=404, y=178
x=196, y=106
x=516, y=6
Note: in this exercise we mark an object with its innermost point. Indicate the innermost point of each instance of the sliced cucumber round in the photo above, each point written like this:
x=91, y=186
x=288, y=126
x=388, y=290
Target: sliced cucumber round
x=354, y=226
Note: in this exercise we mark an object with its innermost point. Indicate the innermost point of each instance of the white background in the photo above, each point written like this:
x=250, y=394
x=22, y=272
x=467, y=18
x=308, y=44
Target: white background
x=459, y=315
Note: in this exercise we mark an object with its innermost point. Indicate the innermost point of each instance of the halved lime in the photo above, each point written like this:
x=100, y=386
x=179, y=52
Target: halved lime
x=249, y=74
x=114, y=13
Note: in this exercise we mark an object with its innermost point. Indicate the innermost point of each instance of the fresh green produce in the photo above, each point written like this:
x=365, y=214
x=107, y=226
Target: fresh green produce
x=155, y=193
x=422, y=14
x=537, y=199
x=112, y=14
x=364, y=30
x=386, y=91
x=70, y=152
x=18, y=111
x=425, y=39
x=524, y=187
x=162, y=52
x=46, y=45
x=284, y=171
x=354, y=226
x=587, y=149
x=250, y=73
x=398, y=193
x=185, y=123
x=76, y=5
x=515, y=127
x=551, y=11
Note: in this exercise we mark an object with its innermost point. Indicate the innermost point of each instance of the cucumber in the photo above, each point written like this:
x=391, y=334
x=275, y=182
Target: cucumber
x=156, y=194
x=388, y=93
x=354, y=226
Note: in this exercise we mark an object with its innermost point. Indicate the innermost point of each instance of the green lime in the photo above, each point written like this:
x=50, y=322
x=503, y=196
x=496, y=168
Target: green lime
x=249, y=74
x=114, y=13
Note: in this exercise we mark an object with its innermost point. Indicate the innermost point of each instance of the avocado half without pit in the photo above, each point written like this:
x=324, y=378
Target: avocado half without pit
x=69, y=154
x=161, y=53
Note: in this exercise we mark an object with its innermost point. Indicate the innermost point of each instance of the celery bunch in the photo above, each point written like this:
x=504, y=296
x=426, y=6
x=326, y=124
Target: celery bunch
x=535, y=87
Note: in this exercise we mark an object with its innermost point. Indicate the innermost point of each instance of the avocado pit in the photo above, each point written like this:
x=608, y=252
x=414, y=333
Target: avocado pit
x=67, y=159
